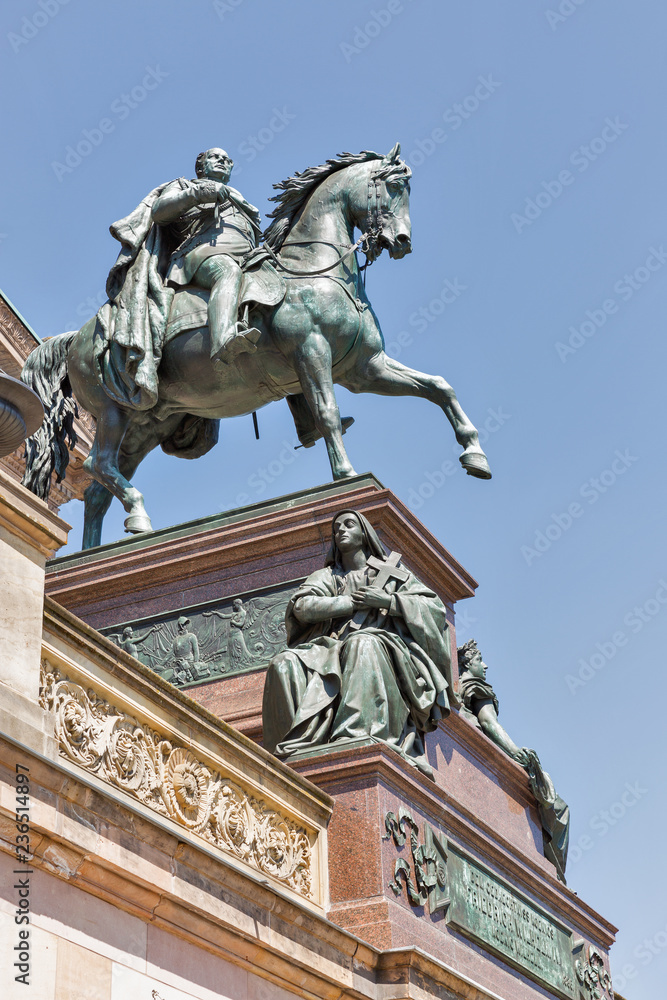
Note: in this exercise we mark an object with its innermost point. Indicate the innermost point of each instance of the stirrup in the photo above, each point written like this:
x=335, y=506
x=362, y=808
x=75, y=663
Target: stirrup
x=310, y=437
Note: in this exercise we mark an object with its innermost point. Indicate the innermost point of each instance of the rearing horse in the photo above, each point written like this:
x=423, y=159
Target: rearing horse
x=323, y=332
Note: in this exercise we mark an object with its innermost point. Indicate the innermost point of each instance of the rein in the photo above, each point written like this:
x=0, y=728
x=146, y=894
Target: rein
x=369, y=239
x=322, y=270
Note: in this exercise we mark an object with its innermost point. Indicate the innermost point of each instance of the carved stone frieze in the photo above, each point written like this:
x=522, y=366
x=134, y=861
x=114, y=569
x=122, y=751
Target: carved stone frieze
x=174, y=782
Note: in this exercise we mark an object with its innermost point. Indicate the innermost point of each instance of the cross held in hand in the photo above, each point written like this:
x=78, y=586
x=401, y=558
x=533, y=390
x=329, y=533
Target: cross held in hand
x=388, y=569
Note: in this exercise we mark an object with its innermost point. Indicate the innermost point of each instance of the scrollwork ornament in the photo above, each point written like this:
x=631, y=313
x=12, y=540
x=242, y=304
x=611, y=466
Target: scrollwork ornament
x=171, y=780
x=127, y=758
x=233, y=826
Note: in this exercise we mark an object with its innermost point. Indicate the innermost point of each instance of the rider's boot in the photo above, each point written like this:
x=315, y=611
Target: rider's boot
x=229, y=336
x=242, y=340
x=304, y=422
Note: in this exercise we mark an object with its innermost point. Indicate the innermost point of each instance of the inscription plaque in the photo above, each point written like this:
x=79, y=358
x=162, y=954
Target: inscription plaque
x=492, y=914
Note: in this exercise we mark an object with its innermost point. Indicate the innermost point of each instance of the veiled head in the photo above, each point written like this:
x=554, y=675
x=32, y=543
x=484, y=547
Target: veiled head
x=350, y=531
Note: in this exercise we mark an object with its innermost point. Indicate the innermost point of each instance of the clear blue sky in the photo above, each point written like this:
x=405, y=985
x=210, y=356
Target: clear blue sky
x=538, y=146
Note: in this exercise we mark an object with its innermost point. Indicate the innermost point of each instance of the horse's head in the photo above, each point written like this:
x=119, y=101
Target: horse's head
x=385, y=211
x=354, y=190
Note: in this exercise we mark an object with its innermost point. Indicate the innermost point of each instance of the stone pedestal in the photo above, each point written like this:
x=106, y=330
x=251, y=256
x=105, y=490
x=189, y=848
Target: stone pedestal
x=30, y=533
x=495, y=910
x=449, y=871
x=259, y=554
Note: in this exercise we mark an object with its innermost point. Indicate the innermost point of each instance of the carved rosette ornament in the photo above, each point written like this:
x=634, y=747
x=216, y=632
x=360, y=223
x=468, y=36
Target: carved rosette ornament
x=186, y=788
x=594, y=980
x=173, y=781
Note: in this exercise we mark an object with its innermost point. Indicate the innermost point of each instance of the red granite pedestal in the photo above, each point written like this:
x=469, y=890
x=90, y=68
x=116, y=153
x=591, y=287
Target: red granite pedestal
x=481, y=808
x=498, y=914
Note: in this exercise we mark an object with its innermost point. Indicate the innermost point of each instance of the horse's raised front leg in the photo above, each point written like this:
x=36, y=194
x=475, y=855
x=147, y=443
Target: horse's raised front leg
x=103, y=465
x=386, y=377
x=312, y=363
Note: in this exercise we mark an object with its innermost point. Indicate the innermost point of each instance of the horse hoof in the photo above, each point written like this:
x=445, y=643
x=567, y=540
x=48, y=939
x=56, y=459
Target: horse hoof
x=475, y=464
x=136, y=523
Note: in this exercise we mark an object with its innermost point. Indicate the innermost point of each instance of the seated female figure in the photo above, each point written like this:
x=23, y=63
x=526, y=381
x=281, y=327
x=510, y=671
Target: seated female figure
x=363, y=661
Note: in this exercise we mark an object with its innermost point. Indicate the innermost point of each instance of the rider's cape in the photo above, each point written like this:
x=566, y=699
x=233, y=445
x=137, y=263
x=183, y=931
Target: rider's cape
x=133, y=325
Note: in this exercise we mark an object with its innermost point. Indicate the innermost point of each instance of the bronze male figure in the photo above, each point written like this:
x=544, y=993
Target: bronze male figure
x=213, y=227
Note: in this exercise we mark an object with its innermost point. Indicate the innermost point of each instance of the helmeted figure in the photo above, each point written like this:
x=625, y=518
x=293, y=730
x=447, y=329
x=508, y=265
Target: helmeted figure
x=480, y=707
x=185, y=653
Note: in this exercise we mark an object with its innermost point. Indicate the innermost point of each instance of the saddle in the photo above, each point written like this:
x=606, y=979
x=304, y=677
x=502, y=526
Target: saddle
x=262, y=285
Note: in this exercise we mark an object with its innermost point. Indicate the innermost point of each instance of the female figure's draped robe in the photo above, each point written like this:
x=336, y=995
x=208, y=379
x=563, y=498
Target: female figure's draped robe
x=387, y=680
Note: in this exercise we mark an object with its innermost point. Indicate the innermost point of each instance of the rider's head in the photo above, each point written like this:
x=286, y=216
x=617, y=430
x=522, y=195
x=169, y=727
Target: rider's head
x=215, y=164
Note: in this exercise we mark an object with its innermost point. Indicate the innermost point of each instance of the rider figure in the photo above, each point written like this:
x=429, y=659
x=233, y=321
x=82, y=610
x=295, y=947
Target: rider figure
x=213, y=227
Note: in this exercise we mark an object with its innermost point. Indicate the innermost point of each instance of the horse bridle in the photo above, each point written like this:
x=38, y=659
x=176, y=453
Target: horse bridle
x=368, y=242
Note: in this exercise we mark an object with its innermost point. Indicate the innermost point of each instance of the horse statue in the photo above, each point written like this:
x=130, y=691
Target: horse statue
x=323, y=331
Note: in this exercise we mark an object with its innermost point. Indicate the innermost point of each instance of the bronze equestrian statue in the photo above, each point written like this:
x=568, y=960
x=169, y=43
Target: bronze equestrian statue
x=150, y=371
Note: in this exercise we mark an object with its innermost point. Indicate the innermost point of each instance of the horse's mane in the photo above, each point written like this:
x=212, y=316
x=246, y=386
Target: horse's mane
x=296, y=190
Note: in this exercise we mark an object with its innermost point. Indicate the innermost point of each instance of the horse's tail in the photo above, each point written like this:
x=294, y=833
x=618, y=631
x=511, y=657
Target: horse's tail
x=46, y=452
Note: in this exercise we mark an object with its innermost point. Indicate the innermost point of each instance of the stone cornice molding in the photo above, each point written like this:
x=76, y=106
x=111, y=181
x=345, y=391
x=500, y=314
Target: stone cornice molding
x=28, y=518
x=117, y=670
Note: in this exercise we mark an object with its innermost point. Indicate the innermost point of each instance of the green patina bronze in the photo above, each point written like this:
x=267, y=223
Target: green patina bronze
x=201, y=323
x=428, y=859
x=480, y=707
x=368, y=655
x=230, y=636
x=489, y=911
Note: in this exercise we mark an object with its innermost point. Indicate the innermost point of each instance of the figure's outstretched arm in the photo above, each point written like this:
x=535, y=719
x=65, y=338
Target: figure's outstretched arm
x=319, y=609
x=488, y=720
x=140, y=638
